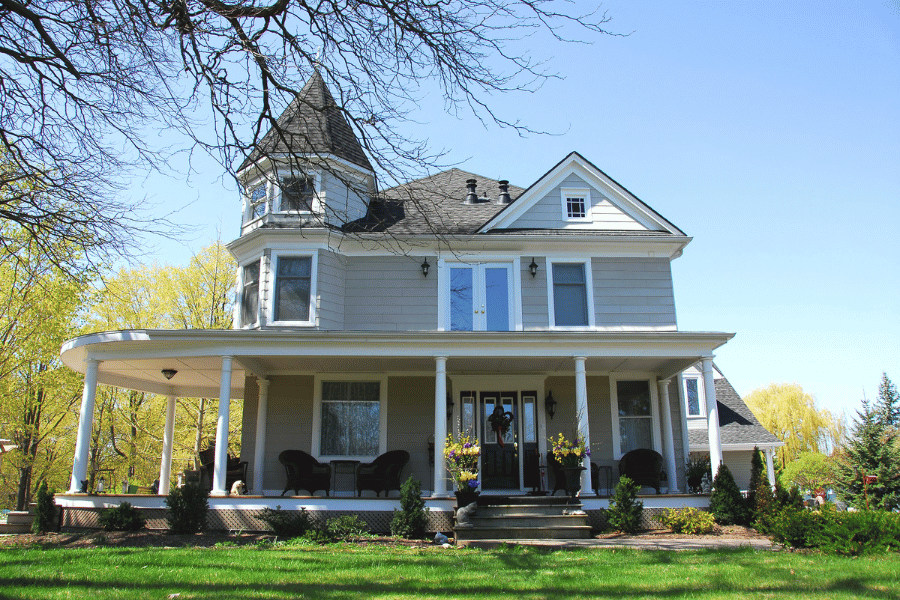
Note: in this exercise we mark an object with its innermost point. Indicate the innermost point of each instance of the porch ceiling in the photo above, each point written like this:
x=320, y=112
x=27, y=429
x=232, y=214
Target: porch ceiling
x=135, y=359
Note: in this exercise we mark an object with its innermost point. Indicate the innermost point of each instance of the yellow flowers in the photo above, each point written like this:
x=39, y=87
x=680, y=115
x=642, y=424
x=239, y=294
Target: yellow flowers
x=462, y=460
x=567, y=453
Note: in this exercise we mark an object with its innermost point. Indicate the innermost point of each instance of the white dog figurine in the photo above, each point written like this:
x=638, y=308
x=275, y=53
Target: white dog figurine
x=238, y=488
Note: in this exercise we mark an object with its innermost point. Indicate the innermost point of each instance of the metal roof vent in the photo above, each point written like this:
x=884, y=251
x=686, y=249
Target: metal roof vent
x=504, y=192
x=471, y=196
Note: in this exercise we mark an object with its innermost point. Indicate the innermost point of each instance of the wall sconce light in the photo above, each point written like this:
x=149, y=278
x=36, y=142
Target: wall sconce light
x=533, y=267
x=169, y=373
x=450, y=405
x=425, y=267
x=550, y=404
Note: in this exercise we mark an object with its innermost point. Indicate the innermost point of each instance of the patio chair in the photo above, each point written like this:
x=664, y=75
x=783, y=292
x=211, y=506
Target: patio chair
x=643, y=466
x=305, y=473
x=235, y=469
x=382, y=474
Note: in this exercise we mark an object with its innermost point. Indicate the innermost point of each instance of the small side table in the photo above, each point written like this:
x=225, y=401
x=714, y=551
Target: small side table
x=344, y=468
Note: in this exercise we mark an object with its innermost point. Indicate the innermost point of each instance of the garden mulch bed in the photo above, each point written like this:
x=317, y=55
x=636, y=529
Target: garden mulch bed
x=730, y=532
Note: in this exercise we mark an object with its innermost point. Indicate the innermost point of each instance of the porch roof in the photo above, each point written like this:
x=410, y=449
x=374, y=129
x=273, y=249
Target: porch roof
x=135, y=359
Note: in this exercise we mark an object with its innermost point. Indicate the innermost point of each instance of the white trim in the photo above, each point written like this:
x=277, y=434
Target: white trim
x=513, y=293
x=589, y=292
x=272, y=277
x=655, y=433
x=316, y=445
x=585, y=195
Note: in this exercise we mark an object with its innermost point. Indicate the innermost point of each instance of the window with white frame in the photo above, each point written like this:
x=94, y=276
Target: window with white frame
x=693, y=396
x=576, y=204
x=293, y=282
x=570, y=295
x=635, y=414
x=250, y=294
x=258, y=198
x=297, y=193
x=351, y=418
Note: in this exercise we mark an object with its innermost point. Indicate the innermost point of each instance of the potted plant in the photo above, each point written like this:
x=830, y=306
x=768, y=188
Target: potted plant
x=694, y=471
x=461, y=455
x=570, y=456
x=500, y=421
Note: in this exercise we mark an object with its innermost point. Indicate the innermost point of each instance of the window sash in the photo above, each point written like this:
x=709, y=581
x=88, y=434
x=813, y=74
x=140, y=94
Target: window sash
x=250, y=295
x=297, y=194
x=351, y=418
x=258, y=201
x=569, y=295
x=292, y=288
x=692, y=395
x=635, y=412
x=575, y=207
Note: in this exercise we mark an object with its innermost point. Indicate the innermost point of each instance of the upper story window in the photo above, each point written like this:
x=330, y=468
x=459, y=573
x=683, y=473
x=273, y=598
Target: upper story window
x=258, y=202
x=576, y=204
x=297, y=193
x=250, y=295
x=570, y=295
x=693, y=396
x=293, y=286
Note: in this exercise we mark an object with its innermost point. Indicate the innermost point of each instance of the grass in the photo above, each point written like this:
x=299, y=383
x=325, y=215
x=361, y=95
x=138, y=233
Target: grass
x=342, y=571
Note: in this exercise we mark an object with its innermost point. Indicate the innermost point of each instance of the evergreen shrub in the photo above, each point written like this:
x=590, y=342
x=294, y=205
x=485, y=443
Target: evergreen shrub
x=726, y=503
x=411, y=520
x=124, y=517
x=624, y=507
x=44, y=511
x=188, y=508
x=286, y=523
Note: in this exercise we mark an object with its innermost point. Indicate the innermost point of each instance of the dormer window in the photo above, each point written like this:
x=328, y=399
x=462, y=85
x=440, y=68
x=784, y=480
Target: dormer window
x=576, y=204
x=297, y=194
x=258, y=201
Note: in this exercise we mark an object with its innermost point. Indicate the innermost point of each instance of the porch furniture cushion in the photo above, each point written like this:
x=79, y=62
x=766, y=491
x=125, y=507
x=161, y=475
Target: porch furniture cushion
x=382, y=474
x=643, y=466
x=305, y=473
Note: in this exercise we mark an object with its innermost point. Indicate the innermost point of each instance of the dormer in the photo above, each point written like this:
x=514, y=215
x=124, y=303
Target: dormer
x=309, y=170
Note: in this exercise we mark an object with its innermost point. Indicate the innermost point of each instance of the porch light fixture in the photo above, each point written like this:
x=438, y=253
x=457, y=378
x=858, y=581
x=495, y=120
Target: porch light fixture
x=169, y=373
x=533, y=267
x=425, y=267
x=550, y=404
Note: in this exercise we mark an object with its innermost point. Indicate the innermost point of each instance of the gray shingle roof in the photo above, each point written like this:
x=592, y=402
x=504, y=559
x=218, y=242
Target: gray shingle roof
x=737, y=425
x=312, y=124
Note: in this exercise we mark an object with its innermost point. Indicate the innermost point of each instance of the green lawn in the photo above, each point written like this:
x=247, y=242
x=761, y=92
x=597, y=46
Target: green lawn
x=388, y=572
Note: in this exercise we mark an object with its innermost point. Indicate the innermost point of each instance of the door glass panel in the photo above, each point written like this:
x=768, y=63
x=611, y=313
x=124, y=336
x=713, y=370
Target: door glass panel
x=496, y=290
x=467, y=424
x=461, y=299
x=528, y=421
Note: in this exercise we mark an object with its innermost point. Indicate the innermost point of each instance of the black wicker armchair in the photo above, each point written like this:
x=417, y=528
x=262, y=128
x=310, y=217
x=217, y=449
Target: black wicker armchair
x=382, y=474
x=305, y=473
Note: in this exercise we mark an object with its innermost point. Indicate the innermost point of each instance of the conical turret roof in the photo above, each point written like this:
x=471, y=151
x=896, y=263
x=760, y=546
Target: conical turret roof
x=312, y=124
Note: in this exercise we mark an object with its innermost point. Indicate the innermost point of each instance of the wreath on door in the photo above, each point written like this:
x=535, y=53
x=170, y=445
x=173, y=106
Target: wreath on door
x=500, y=421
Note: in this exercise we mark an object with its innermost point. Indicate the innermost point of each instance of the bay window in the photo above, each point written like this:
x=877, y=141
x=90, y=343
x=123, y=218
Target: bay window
x=250, y=294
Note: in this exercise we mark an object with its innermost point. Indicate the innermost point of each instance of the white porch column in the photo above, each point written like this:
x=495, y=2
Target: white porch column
x=770, y=466
x=262, y=411
x=165, y=467
x=581, y=408
x=712, y=416
x=85, y=423
x=221, y=460
x=440, y=426
x=668, y=438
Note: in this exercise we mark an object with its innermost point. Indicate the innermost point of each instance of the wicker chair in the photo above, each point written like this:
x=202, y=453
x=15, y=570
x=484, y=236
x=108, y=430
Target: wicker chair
x=382, y=474
x=235, y=469
x=643, y=466
x=305, y=473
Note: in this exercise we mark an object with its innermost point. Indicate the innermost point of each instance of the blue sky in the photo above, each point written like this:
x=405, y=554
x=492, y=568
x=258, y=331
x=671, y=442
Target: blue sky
x=770, y=132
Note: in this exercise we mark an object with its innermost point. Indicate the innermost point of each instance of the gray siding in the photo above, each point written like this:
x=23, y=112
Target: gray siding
x=410, y=422
x=343, y=204
x=330, y=294
x=534, y=295
x=389, y=293
x=633, y=292
x=288, y=426
x=547, y=212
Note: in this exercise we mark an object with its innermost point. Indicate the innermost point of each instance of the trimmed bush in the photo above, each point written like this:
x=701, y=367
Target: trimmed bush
x=624, y=507
x=726, y=503
x=44, y=511
x=689, y=520
x=188, y=508
x=286, y=523
x=346, y=528
x=124, y=517
x=411, y=520
x=846, y=533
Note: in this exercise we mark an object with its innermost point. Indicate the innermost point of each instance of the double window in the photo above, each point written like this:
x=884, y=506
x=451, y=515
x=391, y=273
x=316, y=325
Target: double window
x=351, y=418
x=293, y=286
x=250, y=294
x=571, y=295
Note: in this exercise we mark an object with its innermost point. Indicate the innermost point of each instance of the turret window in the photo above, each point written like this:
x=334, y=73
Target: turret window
x=297, y=194
x=292, y=288
x=258, y=201
x=250, y=295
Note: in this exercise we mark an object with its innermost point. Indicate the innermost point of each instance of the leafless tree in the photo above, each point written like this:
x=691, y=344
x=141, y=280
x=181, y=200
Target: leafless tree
x=91, y=90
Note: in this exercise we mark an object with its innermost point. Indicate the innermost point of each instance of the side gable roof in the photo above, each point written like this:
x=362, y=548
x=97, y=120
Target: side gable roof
x=313, y=124
x=737, y=424
x=575, y=162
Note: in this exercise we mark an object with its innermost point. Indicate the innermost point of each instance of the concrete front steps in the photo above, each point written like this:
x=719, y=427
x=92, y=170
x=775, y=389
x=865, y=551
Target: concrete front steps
x=17, y=522
x=499, y=519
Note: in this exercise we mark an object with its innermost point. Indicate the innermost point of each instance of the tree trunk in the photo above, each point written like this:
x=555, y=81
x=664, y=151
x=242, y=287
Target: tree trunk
x=23, y=494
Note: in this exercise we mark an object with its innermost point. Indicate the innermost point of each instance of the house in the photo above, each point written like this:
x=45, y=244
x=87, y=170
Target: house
x=371, y=320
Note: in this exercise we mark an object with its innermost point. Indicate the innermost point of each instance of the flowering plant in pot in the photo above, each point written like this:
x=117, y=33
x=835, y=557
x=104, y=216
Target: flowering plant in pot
x=461, y=455
x=569, y=454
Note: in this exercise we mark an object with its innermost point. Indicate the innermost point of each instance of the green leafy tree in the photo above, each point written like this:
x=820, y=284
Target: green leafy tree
x=812, y=470
x=792, y=415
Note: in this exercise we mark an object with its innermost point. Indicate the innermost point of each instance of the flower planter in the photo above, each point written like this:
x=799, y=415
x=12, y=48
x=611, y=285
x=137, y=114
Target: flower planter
x=466, y=497
x=573, y=480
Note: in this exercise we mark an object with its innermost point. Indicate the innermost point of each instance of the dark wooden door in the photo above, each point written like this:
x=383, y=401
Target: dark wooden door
x=499, y=463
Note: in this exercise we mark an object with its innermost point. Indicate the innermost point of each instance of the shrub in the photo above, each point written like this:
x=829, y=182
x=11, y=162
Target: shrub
x=346, y=528
x=726, y=503
x=286, y=523
x=411, y=520
x=188, y=507
x=624, y=507
x=854, y=533
x=44, y=510
x=124, y=517
x=792, y=525
x=689, y=520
